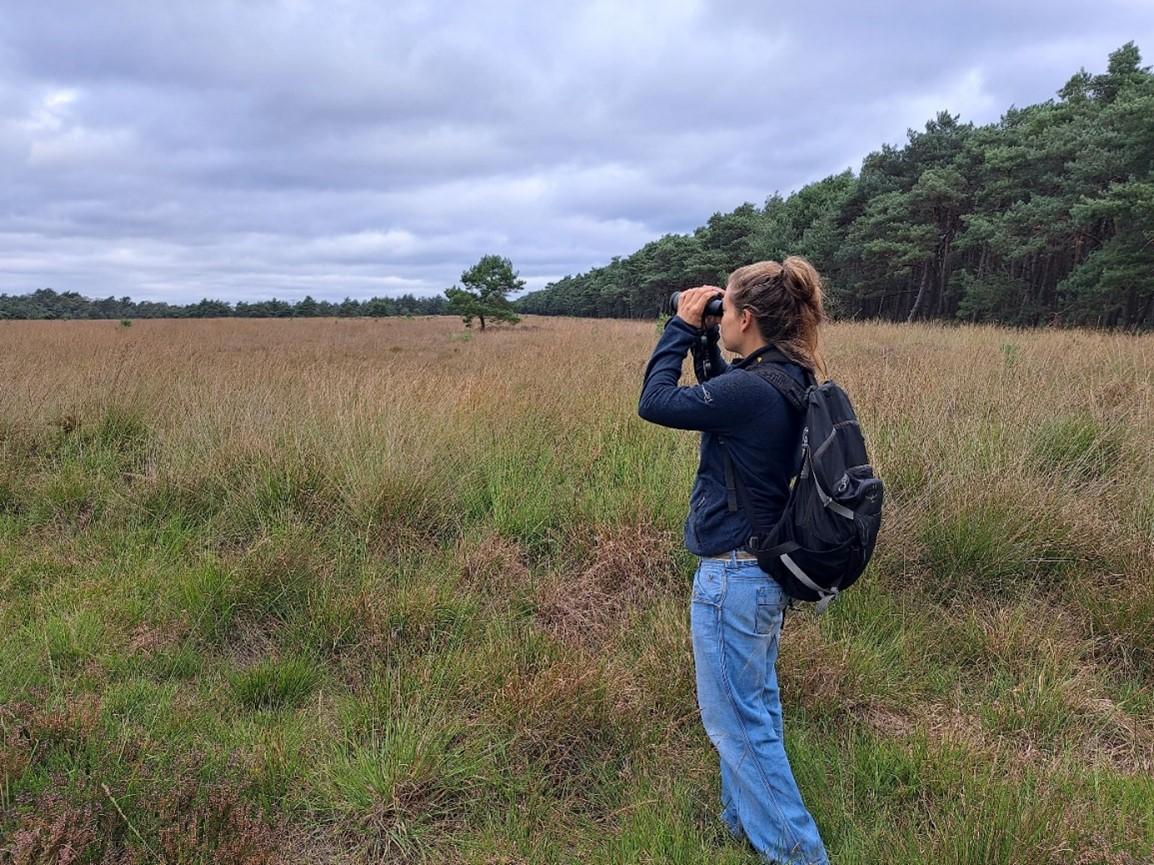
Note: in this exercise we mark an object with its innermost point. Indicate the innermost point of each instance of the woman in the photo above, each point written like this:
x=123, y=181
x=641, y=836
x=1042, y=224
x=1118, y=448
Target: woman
x=769, y=310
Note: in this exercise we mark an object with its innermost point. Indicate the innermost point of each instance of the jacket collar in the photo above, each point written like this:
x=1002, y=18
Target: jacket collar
x=769, y=352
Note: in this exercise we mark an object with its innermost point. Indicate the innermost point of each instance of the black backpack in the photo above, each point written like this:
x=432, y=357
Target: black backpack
x=827, y=531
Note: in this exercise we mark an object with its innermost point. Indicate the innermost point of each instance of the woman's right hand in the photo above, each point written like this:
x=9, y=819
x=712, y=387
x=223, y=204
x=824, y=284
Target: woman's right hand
x=692, y=302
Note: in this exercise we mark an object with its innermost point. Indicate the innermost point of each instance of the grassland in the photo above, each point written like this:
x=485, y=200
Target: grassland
x=385, y=590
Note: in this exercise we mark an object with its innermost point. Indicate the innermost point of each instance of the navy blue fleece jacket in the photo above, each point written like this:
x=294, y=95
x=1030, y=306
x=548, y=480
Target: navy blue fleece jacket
x=761, y=428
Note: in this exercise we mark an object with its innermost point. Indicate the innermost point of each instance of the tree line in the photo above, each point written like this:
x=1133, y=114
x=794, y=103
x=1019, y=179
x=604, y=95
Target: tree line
x=1044, y=217
x=48, y=304
x=481, y=295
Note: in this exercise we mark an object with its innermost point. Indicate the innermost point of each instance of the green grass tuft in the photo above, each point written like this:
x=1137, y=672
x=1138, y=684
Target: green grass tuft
x=275, y=684
x=1076, y=447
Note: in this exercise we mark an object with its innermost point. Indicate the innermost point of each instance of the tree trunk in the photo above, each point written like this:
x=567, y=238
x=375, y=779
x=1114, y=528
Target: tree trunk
x=921, y=293
x=1027, y=273
x=942, y=274
x=1045, y=294
x=1145, y=310
x=482, y=321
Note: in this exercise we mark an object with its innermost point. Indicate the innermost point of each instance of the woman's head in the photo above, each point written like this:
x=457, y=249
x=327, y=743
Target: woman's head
x=779, y=304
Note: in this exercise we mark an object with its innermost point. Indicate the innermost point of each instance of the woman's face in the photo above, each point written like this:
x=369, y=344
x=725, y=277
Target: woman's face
x=730, y=324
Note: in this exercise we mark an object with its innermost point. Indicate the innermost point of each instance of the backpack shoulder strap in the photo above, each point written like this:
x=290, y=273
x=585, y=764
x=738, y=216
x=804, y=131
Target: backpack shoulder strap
x=789, y=388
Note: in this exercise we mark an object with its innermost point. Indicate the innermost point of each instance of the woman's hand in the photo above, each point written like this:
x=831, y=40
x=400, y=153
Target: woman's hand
x=691, y=305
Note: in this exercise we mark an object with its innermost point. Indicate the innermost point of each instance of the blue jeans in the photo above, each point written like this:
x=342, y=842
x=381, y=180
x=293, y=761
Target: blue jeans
x=735, y=619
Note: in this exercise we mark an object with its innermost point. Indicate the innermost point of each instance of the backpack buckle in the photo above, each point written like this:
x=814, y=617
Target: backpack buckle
x=824, y=602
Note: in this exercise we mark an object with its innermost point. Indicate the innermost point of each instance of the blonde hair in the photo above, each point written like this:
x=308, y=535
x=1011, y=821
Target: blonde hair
x=786, y=302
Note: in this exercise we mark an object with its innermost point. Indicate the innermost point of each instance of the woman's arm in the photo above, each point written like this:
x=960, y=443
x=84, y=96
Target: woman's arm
x=717, y=406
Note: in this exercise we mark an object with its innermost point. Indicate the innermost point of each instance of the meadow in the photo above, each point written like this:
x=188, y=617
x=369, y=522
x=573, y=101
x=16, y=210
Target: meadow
x=387, y=590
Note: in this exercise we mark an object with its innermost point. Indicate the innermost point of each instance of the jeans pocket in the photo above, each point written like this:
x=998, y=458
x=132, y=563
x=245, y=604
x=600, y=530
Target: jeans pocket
x=709, y=583
x=769, y=607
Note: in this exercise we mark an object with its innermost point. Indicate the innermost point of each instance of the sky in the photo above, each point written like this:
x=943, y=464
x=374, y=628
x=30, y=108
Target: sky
x=246, y=149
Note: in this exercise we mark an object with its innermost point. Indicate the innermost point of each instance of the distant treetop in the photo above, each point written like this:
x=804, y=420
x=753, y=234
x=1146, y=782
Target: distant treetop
x=1045, y=217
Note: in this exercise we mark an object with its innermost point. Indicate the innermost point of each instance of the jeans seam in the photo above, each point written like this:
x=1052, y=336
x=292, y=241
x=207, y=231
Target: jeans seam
x=797, y=844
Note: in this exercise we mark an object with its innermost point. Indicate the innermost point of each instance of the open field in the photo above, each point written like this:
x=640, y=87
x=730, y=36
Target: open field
x=386, y=590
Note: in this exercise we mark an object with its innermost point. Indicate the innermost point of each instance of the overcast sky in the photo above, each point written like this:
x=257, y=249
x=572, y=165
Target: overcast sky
x=241, y=150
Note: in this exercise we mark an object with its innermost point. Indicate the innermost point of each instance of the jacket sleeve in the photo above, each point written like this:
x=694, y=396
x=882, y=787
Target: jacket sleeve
x=718, y=405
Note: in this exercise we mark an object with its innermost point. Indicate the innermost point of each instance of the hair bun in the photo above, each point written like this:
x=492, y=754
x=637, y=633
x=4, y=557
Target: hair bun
x=799, y=289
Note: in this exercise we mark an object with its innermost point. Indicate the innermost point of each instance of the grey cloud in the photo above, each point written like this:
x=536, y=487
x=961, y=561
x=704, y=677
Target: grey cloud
x=244, y=149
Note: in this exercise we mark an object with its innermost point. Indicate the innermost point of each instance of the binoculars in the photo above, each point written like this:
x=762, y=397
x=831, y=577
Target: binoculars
x=711, y=308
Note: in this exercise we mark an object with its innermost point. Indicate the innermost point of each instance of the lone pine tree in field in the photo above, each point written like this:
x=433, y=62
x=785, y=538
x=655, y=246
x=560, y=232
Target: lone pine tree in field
x=485, y=285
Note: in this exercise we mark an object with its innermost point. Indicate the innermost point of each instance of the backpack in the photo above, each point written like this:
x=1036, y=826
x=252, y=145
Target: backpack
x=827, y=531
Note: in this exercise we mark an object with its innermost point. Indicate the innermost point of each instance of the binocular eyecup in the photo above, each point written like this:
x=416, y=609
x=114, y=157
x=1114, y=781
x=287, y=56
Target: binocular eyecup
x=711, y=308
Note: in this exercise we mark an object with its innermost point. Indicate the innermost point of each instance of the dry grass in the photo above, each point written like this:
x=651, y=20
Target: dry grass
x=486, y=519
x=625, y=570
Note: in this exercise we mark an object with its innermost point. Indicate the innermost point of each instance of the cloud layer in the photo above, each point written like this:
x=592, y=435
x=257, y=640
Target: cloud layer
x=241, y=150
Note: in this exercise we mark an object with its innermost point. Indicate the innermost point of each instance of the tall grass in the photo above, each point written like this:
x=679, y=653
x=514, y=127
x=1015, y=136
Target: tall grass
x=370, y=590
